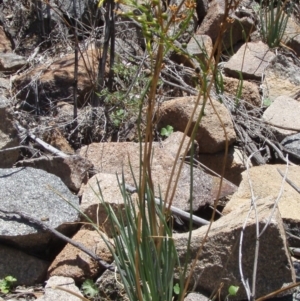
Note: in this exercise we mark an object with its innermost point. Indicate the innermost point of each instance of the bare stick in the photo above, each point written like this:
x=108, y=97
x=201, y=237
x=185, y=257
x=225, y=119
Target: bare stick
x=289, y=181
x=59, y=235
x=278, y=151
x=295, y=251
x=278, y=197
x=185, y=215
x=42, y=143
x=292, y=235
x=253, y=199
x=17, y=147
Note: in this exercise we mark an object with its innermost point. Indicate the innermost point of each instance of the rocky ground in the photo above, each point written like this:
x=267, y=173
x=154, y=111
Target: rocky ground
x=52, y=150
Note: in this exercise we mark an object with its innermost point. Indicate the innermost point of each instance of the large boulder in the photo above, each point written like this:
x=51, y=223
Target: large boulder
x=235, y=164
x=266, y=182
x=72, y=262
x=27, y=269
x=283, y=112
x=251, y=60
x=240, y=27
x=281, y=77
x=8, y=135
x=199, y=48
x=56, y=82
x=172, y=143
x=219, y=258
x=114, y=158
x=250, y=95
x=41, y=196
x=102, y=187
x=72, y=170
x=210, y=134
x=11, y=62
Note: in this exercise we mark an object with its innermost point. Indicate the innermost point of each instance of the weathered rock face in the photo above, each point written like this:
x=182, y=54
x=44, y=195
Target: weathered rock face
x=251, y=59
x=219, y=260
x=72, y=170
x=215, y=15
x=11, y=62
x=282, y=77
x=55, y=138
x=235, y=164
x=266, y=182
x=91, y=202
x=8, y=135
x=72, y=262
x=28, y=270
x=199, y=47
x=250, y=93
x=172, y=143
x=284, y=111
x=28, y=191
x=110, y=288
x=56, y=82
x=113, y=158
x=210, y=134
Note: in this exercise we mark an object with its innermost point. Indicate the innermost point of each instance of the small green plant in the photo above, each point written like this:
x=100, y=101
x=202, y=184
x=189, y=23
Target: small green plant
x=267, y=102
x=273, y=21
x=232, y=291
x=167, y=131
x=89, y=288
x=118, y=116
x=6, y=284
x=176, y=289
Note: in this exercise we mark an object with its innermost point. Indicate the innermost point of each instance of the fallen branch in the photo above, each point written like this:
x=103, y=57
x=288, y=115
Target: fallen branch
x=289, y=181
x=176, y=211
x=11, y=214
x=42, y=143
x=277, y=150
x=250, y=146
x=17, y=147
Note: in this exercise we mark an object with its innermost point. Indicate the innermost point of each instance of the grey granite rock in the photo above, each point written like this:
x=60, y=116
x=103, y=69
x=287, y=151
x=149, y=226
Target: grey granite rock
x=11, y=62
x=39, y=195
x=28, y=270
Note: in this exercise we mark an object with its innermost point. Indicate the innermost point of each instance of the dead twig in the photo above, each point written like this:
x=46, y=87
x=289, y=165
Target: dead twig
x=42, y=143
x=251, y=292
x=30, y=219
x=176, y=211
x=289, y=181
